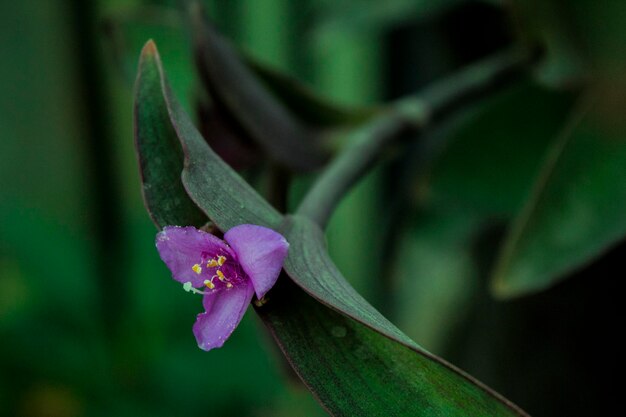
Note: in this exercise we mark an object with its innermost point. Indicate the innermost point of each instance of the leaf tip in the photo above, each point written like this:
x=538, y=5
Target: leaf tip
x=150, y=49
x=500, y=290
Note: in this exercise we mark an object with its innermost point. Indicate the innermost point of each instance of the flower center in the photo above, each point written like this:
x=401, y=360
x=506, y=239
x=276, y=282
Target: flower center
x=219, y=274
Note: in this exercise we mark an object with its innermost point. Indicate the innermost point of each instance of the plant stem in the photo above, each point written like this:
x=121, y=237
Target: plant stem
x=413, y=113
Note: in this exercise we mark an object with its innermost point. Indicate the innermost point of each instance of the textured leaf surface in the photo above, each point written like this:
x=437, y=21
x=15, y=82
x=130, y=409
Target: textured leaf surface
x=160, y=155
x=575, y=212
x=357, y=372
x=309, y=265
x=351, y=368
x=206, y=177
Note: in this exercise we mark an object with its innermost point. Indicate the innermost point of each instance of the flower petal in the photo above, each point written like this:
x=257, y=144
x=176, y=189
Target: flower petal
x=183, y=247
x=224, y=310
x=261, y=253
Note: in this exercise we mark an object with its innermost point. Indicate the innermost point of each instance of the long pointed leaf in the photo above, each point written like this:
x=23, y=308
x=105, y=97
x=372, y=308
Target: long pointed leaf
x=309, y=265
x=286, y=139
x=355, y=371
x=160, y=155
x=575, y=212
x=364, y=366
x=233, y=201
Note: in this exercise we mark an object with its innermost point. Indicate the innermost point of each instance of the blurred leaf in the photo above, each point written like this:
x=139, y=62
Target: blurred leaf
x=226, y=137
x=126, y=33
x=265, y=119
x=491, y=160
x=305, y=103
x=422, y=382
x=372, y=15
x=575, y=211
x=434, y=274
x=581, y=39
x=548, y=24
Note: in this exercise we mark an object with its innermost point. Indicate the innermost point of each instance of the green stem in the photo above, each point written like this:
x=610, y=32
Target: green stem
x=409, y=114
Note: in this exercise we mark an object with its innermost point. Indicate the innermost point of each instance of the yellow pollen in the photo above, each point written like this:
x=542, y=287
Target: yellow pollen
x=229, y=285
x=220, y=260
x=209, y=284
x=220, y=275
x=212, y=263
x=197, y=269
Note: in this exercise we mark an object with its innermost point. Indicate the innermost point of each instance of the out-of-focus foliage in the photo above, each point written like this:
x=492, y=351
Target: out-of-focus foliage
x=576, y=209
x=90, y=323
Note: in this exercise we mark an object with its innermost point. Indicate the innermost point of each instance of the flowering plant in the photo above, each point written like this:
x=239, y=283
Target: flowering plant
x=230, y=271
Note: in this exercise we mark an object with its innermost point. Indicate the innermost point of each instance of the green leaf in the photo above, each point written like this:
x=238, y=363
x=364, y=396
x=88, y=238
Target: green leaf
x=435, y=242
x=371, y=15
x=127, y=30
x=206, y=178
x=159, y=152
x=348, y=365
x=287, y=140
x=305, y=103
x=575, y=211
x=354, y=371
x=582, y=40
x=309, y=265
x=506, y=145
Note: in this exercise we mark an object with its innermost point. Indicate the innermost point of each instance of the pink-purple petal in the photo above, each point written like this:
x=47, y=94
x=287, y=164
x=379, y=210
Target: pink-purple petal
x=182, y=247
x=224, y=311
x=261, y=253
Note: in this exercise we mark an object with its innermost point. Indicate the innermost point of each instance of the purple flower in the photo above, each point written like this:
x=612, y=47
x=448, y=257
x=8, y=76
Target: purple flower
x=229, y=271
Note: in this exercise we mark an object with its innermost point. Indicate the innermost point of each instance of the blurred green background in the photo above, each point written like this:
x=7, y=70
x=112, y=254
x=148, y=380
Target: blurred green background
x=91, y=324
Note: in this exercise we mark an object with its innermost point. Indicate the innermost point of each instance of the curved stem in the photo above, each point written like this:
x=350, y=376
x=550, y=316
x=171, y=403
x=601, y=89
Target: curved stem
x=412, y=113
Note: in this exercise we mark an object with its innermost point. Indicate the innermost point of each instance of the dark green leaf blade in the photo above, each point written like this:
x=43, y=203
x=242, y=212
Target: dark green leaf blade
x=225, y=197
x=575, y=211
x=506, y=145
x=308, y=106
x=355, y=371
x=159, y=153
x=309, y=265
x=126, y=33
x=287, y=140
x=422, y=383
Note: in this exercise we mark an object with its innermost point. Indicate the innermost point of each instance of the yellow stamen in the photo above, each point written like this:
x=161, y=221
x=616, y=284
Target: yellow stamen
x=229, y=285
x=209, y=284
x=212, y=263
x=220, y=260
x=197, y=269
x=220, y=275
